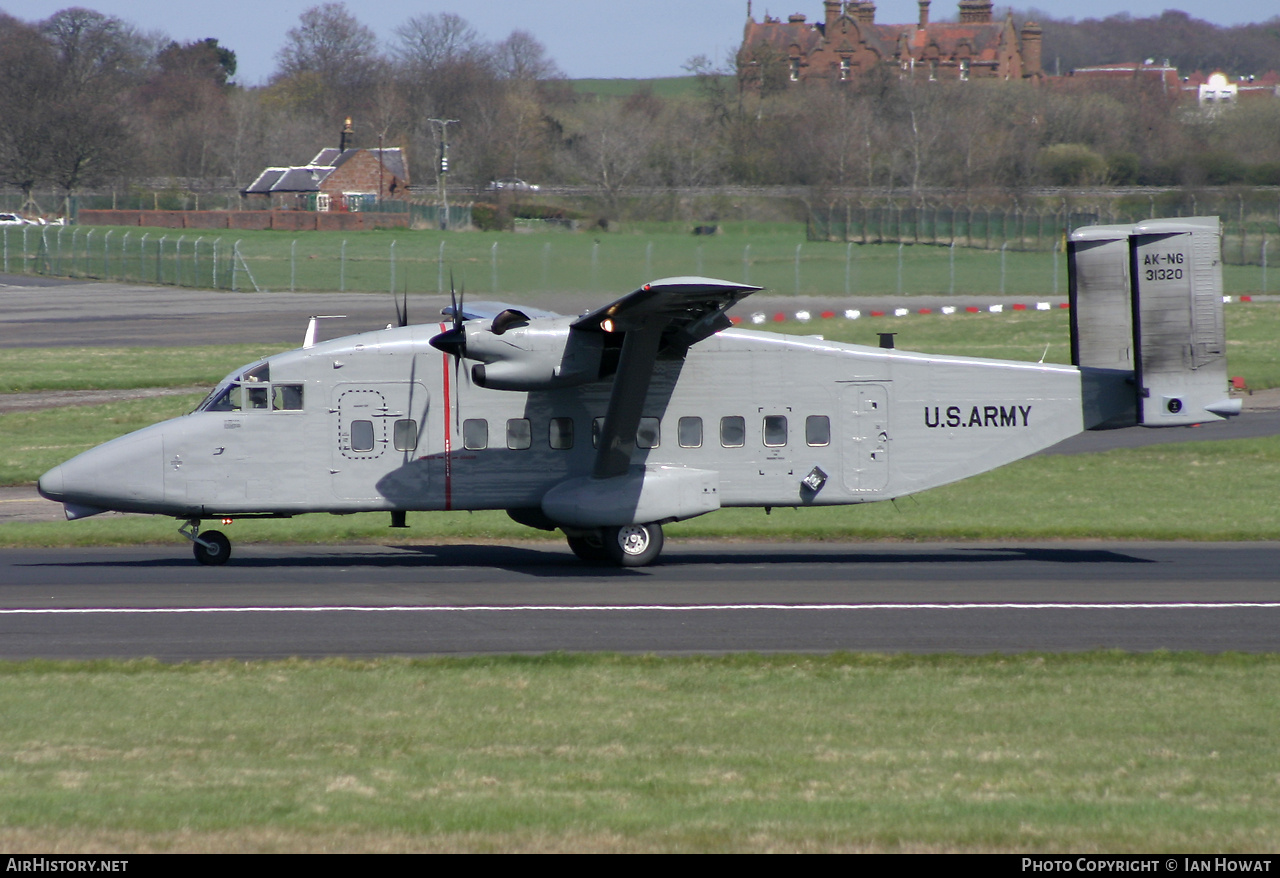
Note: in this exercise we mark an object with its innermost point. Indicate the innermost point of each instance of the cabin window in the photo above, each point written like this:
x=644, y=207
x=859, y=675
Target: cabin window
x=260, y=373
x=647, y=434
x=286, y=398
x=817, y=430
x=519, y=434
x=256, y=397
x=689, y=432
x=733, y=431
x=475, y=434
x=775, y=430
x=560, y=433
x=362, y=435
x=405, y=434
x=597, y=424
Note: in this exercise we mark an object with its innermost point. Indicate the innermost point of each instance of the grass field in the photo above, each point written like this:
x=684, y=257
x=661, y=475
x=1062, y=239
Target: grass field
x=772, y=255
x=1086, y=753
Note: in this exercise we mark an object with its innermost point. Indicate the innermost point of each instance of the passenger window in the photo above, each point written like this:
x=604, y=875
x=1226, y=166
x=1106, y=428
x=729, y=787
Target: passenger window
x=475, y=434
x=775, y=430
x=690, y=432
x=647, y=434
x=361, y=435
x=519, y=434
x=733, y=431
x=817, y=430
x=286, y=398
x=405, y=435
x=560, y=433
x=257, y=397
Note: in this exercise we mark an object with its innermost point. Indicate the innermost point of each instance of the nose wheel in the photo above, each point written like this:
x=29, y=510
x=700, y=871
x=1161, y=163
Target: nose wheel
x=211, y=547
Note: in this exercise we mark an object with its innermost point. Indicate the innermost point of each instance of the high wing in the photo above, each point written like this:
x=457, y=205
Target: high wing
x=671, y=314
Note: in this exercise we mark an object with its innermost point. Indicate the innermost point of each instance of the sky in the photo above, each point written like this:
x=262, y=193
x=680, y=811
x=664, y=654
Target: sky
x=586, y=38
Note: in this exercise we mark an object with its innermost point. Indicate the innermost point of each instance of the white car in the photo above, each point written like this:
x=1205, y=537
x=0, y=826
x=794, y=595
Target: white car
x=513, y=183
x=12, y=219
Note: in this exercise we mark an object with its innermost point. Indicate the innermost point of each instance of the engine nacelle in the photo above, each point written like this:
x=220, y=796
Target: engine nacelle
x=542, y=354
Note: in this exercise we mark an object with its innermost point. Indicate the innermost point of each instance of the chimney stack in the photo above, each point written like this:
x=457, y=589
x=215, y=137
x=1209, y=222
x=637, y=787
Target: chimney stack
x=342, y=141
x=924, y=14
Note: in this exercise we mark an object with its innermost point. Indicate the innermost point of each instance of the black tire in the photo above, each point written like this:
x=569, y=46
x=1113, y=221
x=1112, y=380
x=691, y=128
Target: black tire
x=633, y=545
x=589, y=550
x=218, y=550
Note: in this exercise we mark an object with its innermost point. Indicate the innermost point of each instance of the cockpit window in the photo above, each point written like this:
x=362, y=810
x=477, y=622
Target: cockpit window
x=286, y=397
x=256, y=397
x=259, y=374
x=223, y=399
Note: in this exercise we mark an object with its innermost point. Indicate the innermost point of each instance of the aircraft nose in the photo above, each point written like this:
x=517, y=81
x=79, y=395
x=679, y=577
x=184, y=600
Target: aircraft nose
x=50, y=484
x=126, y=474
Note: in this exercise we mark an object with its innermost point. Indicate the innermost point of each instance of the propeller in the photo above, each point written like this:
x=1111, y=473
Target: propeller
x=453, y=341
x=402, y=312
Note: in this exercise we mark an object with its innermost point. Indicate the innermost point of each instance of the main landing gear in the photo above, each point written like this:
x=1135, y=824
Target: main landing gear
x=212, y=547
x=632, y=545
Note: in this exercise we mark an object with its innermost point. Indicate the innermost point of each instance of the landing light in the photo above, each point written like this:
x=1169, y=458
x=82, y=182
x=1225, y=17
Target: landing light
x=606, y=324
x=227, y=521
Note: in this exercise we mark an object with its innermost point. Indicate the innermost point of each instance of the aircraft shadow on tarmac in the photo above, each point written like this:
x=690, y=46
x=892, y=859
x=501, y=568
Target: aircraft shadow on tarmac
x=561, y=565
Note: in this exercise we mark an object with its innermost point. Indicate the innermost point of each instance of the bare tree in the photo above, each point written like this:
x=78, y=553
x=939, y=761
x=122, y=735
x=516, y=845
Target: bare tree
x=520, y=57
x=329, y=63
x=433, y=40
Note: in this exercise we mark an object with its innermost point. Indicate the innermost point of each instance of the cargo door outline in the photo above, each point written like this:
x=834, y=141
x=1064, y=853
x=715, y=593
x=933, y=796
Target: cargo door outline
x=364, y=433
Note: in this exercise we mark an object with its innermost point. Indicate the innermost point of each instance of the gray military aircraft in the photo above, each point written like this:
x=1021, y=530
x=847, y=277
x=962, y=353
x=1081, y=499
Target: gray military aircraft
x=653, y=409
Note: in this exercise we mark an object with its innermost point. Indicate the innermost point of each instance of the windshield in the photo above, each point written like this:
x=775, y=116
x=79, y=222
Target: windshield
x=228, y=395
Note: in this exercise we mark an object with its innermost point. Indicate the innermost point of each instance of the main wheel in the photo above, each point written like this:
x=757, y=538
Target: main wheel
x=218, y=550
x=633, y=545
x=588, y=549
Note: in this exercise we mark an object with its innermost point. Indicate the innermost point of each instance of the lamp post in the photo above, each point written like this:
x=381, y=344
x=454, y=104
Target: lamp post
x=442, y=169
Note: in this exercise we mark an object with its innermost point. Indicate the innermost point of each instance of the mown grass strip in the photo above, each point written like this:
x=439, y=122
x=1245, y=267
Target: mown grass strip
x=1095, y=752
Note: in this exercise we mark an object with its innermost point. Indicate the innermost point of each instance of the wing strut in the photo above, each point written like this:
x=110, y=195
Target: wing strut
x=630, y=385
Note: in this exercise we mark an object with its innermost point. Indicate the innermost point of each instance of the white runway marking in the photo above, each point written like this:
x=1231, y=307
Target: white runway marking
x=667, y=608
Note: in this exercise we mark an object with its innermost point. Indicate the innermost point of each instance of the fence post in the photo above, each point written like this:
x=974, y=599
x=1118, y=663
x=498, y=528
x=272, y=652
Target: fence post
x=798, y=246
x=848, y=268
x=142, y=256
x=215, y=262
x=1003, y=248
x=88, y=252
x=1055, y=267
x=235, y=267
x=900, y=245
x=159, y=258
x=952, y=253
x=75, y=231
x=106, y=254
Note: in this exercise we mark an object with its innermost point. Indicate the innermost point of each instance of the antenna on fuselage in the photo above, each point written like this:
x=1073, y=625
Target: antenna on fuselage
x=309, y=340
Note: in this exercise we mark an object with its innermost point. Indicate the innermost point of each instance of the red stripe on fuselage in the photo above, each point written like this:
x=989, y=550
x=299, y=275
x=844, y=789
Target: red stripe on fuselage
x=448, y=426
